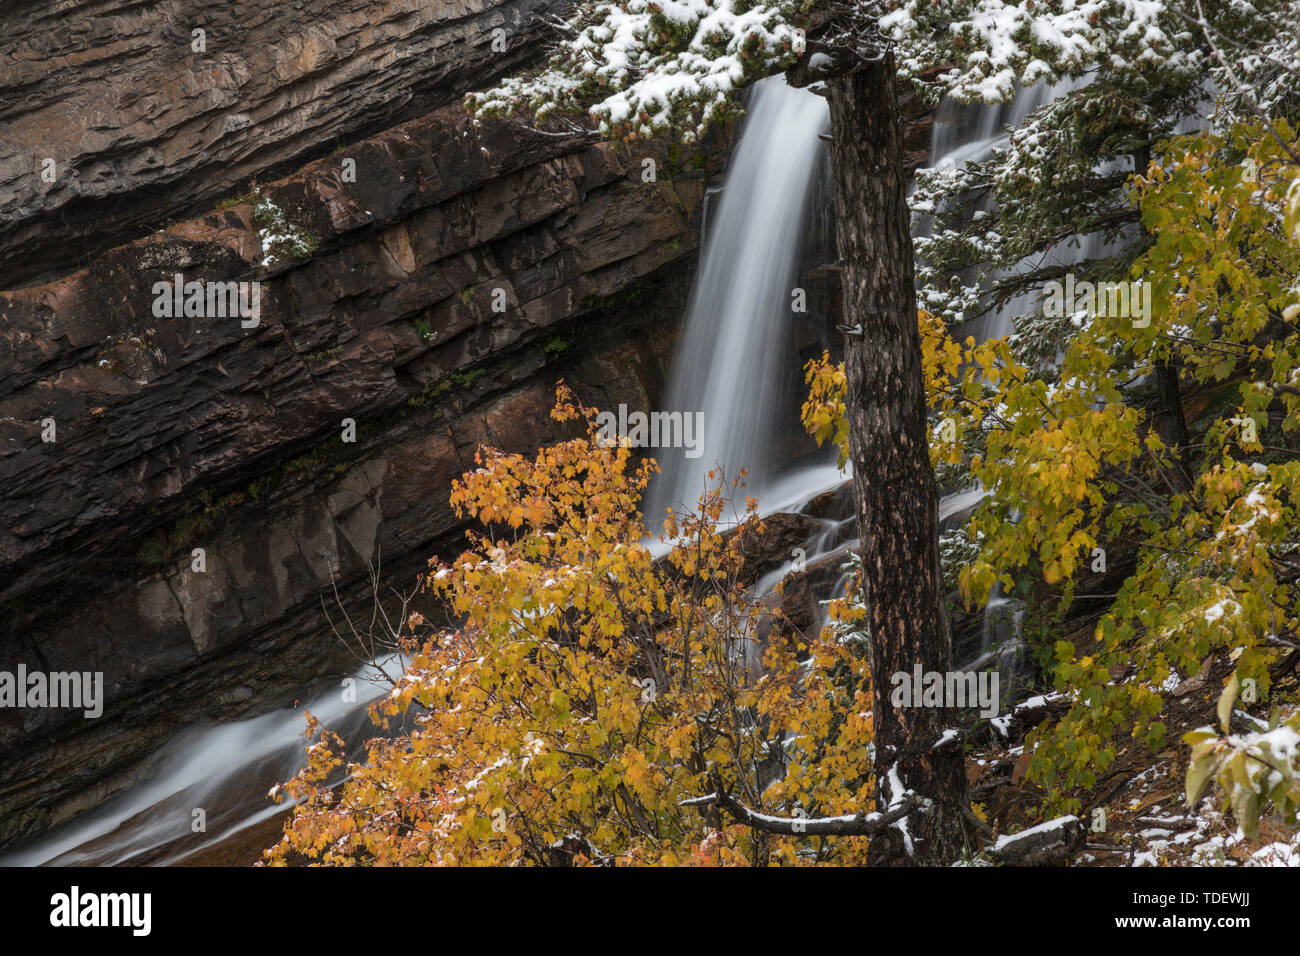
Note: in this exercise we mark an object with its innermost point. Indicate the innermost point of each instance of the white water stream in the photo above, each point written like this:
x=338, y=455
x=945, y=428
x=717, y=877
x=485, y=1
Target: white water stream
x=728, y=367
x=737, y=331
x=224, y=771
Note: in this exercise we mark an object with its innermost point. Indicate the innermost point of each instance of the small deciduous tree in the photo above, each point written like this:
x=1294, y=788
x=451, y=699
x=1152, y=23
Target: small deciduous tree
x=595, y=705
x=1165, y=437
x=1072, y=459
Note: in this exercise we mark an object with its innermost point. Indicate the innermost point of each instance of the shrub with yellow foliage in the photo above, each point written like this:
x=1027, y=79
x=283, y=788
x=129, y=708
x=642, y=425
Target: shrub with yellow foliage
x=590, y=690
x=1072, y=463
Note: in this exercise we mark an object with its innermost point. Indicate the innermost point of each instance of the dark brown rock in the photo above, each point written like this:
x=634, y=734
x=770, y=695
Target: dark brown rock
x=769, y=543
x=142, y=127
x=195, y=432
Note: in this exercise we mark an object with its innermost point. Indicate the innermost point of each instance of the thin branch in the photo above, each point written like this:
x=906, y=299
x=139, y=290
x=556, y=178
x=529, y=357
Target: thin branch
x=860, y=824
x=1244, y=90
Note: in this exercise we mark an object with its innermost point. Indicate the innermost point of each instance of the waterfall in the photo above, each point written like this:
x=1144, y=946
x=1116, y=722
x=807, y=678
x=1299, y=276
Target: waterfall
x=965, y=133
x=732, y=365
x=737, y=333
x=972, y=133
x=735, y=352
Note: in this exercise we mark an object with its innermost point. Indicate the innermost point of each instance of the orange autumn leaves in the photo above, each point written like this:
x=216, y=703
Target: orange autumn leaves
x=588, y=690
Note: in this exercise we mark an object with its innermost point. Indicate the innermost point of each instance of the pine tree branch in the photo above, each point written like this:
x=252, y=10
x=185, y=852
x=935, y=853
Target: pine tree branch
x=1247, y=94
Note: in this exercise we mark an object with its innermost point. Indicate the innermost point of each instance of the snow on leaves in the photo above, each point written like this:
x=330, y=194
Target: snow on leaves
x=1253, y=770
x=526, y=735
x=645, y=66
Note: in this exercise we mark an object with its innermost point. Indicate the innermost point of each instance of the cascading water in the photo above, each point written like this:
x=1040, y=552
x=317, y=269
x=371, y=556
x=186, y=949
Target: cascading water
x=1001, y=645
x=223, y=771
x=734, y=355
x=729, y=362
x=730, y=357
x=963, y=134
x=737, y=329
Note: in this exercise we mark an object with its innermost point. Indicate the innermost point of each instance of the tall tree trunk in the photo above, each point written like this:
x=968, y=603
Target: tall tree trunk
x=1171, y=425
x=894, y=486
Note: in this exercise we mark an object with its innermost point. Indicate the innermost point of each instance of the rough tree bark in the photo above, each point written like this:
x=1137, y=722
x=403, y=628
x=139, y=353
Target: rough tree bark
x=1171, y=425
x=895, y=492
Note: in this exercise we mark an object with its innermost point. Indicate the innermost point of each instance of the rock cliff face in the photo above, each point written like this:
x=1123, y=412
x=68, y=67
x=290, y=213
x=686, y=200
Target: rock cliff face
x=433, y=301
x=420, y=286
x=144, y=119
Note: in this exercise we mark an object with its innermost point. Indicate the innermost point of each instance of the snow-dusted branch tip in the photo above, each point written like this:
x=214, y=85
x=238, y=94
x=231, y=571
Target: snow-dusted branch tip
x=859, y=824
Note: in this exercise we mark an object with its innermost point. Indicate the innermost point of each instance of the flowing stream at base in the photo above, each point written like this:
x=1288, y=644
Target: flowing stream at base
x=728, y=366
x=224, y=771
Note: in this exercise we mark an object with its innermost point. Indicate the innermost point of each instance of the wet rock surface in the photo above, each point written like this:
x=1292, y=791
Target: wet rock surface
x=177, y=433
x=141, y=125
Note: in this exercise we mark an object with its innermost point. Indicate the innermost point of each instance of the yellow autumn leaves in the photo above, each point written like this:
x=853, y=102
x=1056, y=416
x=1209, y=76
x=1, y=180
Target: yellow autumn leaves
x=586, y=690
x=1073, y=461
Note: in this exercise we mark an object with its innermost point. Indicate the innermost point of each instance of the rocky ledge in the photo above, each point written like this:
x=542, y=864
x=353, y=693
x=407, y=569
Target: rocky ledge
x=402, y=319
x=414, y=291
x=118, y=114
